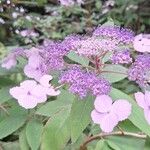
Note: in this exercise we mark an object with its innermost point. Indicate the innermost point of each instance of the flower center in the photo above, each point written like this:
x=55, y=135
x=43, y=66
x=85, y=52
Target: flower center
x=28, y=93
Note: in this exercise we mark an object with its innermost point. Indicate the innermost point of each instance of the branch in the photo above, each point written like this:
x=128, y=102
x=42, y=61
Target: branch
x=117, y=133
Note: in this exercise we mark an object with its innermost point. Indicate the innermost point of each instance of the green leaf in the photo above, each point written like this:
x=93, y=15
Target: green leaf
x=106, y=57
x=33, y=134
x=128, y=126
x=110, y=22
x=137, y=115
x=5, y=81
x=41, y=2
x=113, y=145
x=80, y=116
x=9, y=146
x=114, y=73
x=147, y=144
x=23, y=140
x=4, y=71
x=79, y=59
x=127, y=143
x=102, y=145
x=63, y=101
x=4, y=94
x=56, y=132
x=12, y=122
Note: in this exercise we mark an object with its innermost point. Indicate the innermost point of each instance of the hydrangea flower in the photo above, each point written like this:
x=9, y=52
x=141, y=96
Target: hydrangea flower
x=35, y=68
x=82, y=82
x=70, y=2
x=141, y=43
x=121, y=57
x=29, y=33
x=49, y=89
x=53, y=54
x=9, y=62
x=30, y=93
x=94, y=46
x=66, y=2
x=122, y=35
x=143, y=100
x=71, y=41
x=108, y=114
x=140, y=69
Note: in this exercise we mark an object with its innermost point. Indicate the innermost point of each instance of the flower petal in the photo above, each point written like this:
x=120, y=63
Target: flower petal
x=109, y=122
x=147, y=115
x=8, y=63
x=28, y=84
x=32, y=72
x=97, y=117
x=103, y=103
x=16, y=92
x=52, y=92
x=122, y=109
x=44, y=81
x=40, y=93
x=139, y=96
x=147, y=98
x=34, y=60
x=27, y=102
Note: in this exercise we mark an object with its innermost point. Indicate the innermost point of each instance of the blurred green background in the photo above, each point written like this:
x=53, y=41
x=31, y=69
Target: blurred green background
x=51, y=20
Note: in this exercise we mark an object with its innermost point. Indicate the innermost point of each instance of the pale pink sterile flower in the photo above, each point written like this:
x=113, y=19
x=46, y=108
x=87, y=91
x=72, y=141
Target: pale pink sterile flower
x=108, y=113
x=143, y=100
x=29, y=94
x=66, y=2
x=80, y=1
x=50, y=90
x=35, y=68
x=141, y=43
x=9, y=62
x=32, y=51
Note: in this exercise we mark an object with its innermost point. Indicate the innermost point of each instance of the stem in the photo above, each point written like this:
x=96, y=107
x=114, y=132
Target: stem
x=117, y=133
x=97, y=64
x=58, y=87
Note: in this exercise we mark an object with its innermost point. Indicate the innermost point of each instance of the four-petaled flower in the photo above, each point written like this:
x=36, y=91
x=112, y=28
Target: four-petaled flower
x=9, y=62
x=30, y=93
x=108, y=114
x=143, y=100
x=35, y=68
x=141, y=43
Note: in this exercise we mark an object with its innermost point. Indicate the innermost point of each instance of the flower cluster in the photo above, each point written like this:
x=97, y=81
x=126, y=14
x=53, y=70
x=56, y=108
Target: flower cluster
x=140, y=69
x=30, y=93
x=82, y=82
x=121, y=57
x=93, y=46
x=122, y=35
